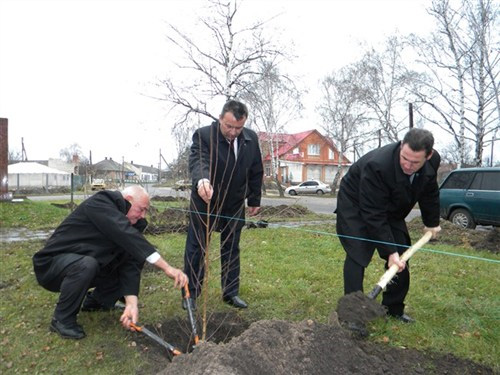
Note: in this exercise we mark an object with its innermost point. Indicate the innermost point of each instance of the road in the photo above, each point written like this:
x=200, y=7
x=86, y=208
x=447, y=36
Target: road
x=320, y=205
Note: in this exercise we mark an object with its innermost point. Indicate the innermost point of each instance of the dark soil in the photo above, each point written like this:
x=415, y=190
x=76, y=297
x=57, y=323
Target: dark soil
x=356, y=310
x=487, y=239
x=278, y=347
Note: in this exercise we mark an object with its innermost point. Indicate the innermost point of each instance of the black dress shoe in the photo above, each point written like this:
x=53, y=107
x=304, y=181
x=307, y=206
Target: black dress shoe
x=191, y=301
x=403, y=318
x=67, y=331
x=236, y=302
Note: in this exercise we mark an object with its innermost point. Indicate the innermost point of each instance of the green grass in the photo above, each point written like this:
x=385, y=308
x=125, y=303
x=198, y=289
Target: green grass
x=32, y=214
x=292, y=274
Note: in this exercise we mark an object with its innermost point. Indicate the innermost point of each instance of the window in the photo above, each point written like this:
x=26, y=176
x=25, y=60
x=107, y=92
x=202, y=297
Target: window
x=296, y=151
x=313, y=149
x=460, y=180
x=267, y=170
x=331, y=154
x=491, y=181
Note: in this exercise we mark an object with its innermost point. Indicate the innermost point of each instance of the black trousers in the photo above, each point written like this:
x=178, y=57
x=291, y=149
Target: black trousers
x=73, y=283
x=194, y=258
x=395, y=293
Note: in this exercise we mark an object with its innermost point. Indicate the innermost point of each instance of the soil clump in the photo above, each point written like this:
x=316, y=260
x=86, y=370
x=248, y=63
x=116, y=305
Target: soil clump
x=277, y=347
x=477, y=239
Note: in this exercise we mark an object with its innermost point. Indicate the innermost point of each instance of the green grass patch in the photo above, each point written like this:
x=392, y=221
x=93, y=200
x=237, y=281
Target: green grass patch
x=286, y=273
x=32, y=214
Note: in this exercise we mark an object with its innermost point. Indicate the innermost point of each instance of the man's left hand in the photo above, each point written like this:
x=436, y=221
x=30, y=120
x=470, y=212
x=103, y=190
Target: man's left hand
x=252, y=211
x=434, y=231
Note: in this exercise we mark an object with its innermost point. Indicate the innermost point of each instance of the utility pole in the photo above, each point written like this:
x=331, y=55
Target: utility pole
x=410, y=115
x=24, y=156
x=159, y=168
x=123, y=172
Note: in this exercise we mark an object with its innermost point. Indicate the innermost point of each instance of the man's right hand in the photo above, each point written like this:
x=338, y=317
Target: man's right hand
x=205, y=191
x=395, y=259
x=131, y=312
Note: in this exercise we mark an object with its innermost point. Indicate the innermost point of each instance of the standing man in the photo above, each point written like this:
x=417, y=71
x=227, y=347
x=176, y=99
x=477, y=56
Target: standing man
x=226, y=168
x=100, y=245
x=375, y=196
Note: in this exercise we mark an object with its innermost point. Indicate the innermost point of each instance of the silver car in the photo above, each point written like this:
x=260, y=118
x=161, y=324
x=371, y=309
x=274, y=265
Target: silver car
x=309, y=187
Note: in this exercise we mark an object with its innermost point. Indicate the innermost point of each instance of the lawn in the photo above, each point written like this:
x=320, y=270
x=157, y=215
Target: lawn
x=287, y=273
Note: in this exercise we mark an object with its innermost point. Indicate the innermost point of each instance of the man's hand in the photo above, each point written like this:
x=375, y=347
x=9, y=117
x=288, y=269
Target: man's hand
x=179, y=277
x=434, y=231
x=252, y=211
x=205, y=191
x=394, y=259
x=131, y=312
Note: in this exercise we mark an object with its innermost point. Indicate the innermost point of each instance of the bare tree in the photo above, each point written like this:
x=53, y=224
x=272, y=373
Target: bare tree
x=73, y=150
x=343, y=112
x=461, y=60
x=220, y=61
x=15, y=155
x=275, y=100
x=388, y=85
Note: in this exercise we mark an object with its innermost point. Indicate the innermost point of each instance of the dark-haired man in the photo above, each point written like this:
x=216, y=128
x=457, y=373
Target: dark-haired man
x=226, y=169
x=374, y=198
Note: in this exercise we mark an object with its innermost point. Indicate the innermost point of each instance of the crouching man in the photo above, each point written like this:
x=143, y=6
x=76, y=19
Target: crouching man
x=99, y=245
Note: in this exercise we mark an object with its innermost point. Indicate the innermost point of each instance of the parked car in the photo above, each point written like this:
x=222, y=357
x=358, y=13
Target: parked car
x=471, y=196
x=309, y=187
x=183, y=185
x=98, y=184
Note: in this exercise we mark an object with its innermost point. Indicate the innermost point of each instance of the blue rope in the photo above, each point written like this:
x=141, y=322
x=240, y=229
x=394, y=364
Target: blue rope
x=345, y=236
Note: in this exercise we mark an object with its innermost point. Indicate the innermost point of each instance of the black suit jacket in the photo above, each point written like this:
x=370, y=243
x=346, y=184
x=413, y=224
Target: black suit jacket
x=233, y=180
x=374, y=198
x=98, y=228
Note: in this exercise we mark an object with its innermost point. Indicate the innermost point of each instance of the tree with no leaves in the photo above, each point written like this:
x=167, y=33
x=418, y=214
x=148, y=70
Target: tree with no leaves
x=343, y=112
x=220, y=62
x=275, y=100
x=462, y=62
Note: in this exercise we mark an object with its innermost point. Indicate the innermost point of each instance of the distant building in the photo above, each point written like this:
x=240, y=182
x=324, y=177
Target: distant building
x=302, y=156
x=29, y=175
x=111, y=171
x=145, y=173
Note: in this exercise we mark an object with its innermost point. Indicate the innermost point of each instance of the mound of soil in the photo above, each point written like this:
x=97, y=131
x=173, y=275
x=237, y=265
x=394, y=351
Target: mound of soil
x=486, y=239
x=356, y=310
x=171, y=220
x=284, y=210
x=278, y=347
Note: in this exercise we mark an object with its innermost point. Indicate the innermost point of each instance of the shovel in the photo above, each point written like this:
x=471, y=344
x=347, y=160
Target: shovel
x=156, y=338
x=389, y=274
x=187, y=297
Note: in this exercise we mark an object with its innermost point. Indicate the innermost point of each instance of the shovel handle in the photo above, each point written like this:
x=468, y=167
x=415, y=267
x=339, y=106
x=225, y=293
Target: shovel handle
x=391, y=272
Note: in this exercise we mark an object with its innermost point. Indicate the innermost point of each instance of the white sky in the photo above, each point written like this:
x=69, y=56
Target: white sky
x=73, y=71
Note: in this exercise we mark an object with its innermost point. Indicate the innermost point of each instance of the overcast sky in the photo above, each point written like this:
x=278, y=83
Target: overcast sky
x=74, y=71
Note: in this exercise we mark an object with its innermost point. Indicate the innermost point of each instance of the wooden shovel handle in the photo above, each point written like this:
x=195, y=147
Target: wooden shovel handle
x=391, y=272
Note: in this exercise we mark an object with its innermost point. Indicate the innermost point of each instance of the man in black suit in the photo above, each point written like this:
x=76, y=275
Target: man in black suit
x=226, y=168
x=100, y=245
x=374, y=198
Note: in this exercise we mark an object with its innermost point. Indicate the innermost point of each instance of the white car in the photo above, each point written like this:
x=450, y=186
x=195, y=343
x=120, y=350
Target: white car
x=309, y=187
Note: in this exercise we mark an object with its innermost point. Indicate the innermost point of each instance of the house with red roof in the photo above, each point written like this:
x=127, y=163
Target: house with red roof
x=301, y=156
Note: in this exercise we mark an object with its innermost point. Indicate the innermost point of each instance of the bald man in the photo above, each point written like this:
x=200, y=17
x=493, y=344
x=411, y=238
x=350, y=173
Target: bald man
x=100, y=245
